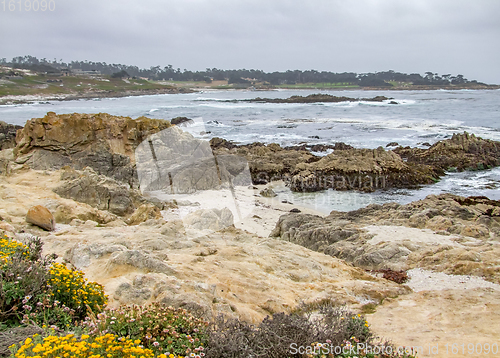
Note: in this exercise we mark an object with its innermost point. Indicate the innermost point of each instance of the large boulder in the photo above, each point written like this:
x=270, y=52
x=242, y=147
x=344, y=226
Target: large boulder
x=101, y=141
x=177, y=163
x=40, y=216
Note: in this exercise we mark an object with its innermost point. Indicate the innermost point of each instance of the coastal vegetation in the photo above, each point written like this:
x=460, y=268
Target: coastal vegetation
x=27, y=75
x=70, y=317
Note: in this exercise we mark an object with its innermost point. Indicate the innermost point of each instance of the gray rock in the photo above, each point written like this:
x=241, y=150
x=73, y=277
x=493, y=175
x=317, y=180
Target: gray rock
x=212, y=219
x=8, y=135
x=268, y=193
x=100, y=192
x=81, y=256
x=140, y=260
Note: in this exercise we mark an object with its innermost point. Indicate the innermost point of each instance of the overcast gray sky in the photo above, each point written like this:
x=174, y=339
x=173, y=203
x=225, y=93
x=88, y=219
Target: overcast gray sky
x=444, y=36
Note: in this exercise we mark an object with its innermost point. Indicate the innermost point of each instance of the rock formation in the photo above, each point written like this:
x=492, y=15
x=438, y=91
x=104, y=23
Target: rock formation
x=461, y=152
x=359, y=169
x=230, y=271
x=460, y=235
x=101, y=141
x=317, y=98
x=99, y=191
x=8, y=135
x=348, y=168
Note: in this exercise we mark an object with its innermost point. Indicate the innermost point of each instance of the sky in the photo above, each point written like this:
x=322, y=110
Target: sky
x=410, y=36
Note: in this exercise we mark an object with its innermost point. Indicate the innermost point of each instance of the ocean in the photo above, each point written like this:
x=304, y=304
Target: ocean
x=419, y=118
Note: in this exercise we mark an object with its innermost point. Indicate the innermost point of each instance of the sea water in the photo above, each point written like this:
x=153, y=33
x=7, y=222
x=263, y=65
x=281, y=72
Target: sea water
x=418, y=119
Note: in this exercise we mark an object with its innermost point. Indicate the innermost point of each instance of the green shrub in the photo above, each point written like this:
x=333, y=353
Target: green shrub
x=71, y=288
x=160, y=328
x=34, y=289
x=80, y=347
x=23, y=280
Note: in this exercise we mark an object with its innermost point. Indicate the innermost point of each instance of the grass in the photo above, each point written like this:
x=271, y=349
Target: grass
x=318, y=85
x=38, y=85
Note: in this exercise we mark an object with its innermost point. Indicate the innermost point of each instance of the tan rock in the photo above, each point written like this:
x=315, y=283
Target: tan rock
x=143, y=213
x=41, y=216
x=7, y=227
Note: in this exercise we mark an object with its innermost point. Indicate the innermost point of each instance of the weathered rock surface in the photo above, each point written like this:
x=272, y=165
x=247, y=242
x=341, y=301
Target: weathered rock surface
x=447, y=232
x=266, y=162
x=101, y=141
x=229, y=271
x=461, y=152
x=211, y=219
x=99, y=191
x=8, y=135
x=360, y=169
x=143, y=213
x=348, y=168
x=41, y=216
x=268, y=193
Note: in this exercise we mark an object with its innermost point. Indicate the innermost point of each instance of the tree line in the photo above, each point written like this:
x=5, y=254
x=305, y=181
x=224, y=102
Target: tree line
x=242, y=76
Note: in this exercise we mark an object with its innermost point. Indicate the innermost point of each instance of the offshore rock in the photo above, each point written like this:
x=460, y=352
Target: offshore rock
x=360, y=169
x=317, y=98
x=348, y=168
x=460, y=152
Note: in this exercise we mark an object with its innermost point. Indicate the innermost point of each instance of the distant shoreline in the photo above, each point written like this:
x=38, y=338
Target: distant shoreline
x=31, y=98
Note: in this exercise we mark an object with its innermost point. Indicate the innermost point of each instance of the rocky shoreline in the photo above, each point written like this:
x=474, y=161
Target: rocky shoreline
x=27, y=99
x=90, y=172
x=349, y=168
